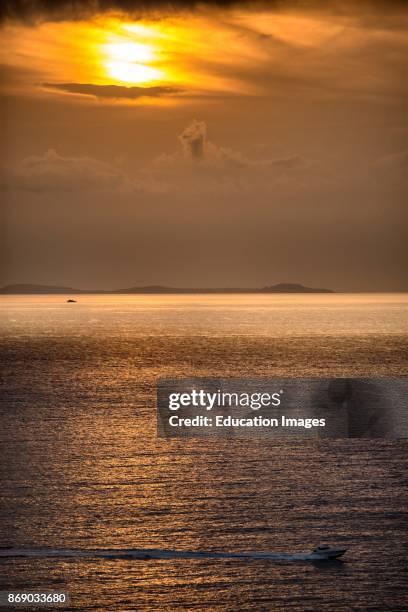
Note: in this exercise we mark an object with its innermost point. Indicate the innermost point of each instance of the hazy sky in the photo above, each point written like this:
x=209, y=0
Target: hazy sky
x=206, y=144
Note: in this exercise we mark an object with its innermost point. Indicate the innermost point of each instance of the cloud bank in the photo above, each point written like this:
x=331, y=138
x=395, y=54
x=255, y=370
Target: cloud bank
x=197, y=148
x=52, y=172
x=198, y=165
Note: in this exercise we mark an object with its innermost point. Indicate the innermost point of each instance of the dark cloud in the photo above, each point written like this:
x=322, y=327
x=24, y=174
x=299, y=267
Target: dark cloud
x=113, y=91
x=193, y=140
x=55, y=10
x=196, y=147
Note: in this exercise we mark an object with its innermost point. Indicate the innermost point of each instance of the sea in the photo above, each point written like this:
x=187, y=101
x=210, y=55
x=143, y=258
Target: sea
x=82, y=468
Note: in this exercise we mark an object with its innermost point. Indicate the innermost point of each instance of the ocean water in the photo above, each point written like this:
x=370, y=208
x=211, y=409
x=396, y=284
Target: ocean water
x=82, y=468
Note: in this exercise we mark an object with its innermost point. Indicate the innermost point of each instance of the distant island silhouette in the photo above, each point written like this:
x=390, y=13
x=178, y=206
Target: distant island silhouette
x=156, y=289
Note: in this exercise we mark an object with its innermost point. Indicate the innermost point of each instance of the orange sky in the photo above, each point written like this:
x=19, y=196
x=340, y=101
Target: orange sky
x=199, y=54
x=203, y=145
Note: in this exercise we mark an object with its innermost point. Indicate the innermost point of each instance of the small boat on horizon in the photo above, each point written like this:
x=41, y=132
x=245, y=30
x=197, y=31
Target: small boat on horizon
x=71, y=300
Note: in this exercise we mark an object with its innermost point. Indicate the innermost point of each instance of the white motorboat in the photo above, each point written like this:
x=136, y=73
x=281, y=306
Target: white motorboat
x=324, y=551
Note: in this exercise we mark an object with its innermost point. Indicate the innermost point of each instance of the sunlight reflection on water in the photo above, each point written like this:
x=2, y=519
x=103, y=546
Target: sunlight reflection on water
x=82, y=466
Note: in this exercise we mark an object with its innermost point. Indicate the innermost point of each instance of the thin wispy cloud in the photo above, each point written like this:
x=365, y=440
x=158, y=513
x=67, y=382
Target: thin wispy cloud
x=114, y=92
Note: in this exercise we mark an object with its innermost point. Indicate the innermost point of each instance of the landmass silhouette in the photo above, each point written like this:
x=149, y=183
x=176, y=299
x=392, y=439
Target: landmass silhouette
x=155, y=289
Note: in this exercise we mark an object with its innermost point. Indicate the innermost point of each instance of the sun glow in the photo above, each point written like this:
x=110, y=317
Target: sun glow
x=129, y=52
x=130, y=72
x=182, y=52
x=128, y=62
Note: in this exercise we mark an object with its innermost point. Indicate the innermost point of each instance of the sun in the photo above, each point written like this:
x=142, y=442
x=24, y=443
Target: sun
x=130, y=72
x=130, y=62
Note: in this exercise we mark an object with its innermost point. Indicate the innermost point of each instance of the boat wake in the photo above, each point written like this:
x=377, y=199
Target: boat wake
x=149, y=553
